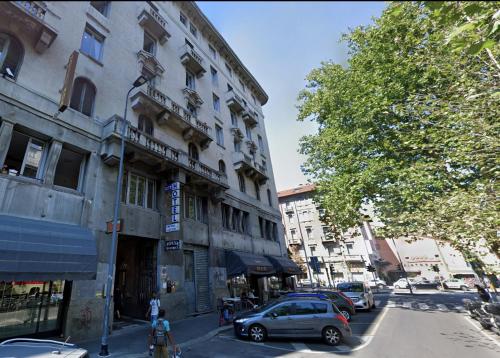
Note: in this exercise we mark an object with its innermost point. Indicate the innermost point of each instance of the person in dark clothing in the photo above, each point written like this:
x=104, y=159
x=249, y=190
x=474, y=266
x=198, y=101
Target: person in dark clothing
x=117, y=299
x=483, y=293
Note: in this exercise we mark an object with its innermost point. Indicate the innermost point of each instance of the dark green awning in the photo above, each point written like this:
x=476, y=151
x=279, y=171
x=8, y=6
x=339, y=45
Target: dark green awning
x=238, y=262
x=284, y=265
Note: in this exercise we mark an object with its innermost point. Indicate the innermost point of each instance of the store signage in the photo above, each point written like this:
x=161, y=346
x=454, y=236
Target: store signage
x=261, y=268
x=109, y=226
x=173, y=245
x=68, y=81
x=175, y=192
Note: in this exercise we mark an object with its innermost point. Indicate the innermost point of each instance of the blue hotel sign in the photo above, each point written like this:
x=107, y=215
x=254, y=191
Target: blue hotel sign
x=175, y=211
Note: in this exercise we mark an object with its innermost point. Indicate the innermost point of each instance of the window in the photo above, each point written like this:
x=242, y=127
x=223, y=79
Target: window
x=145, y=125
x=101, y=6
x=349, y=248
x=219, y=134
x=183, y=19
x=293, y=233
x=229, y=87
x=196, y=207
x=283, y=310
x=188, y=266
x=275, y=232
x=268, y=230
x=257, y=191
x=83, y=96
x=215, y=77
x=234, y=119
x=305, y=215
x=248, y=131
x=264, y=165
x=253, y=99
x=193, y=30
x=11, y=55
x=235, y=219
x=291, y=219
x=213, y=53
x=237, y=146
x=245, y=221
x=303, y=308
x=242, y=85
x=261, y=227
x=139, y=190
x=191, y=108
x=216, y=101
x=313, y=250
x=241, y=181
x=190, y=80
x=69, y=169
x=222, y=166
x=261, y=143
x=92, y=43
x=330, y=250
x=193, y=151
x=309, y=232
x=320, y=307
x=269, y=197
x=225, y=210
x=149, y=44
x=229, y=70
x=25, y=155
x=188, y=43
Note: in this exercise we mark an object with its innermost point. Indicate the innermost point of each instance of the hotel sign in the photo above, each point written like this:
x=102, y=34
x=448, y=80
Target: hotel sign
x=175, y=208
x=68, y=82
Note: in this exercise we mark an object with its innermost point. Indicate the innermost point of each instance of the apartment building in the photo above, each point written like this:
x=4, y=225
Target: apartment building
x=340, y=258
x=199, y=209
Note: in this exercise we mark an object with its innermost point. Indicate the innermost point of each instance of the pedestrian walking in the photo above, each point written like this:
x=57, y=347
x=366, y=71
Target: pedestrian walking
x=157, y=339
x=117, y=299
x=154, y=306
x=483, y=293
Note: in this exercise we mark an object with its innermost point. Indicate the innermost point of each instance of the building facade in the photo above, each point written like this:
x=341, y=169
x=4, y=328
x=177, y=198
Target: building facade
x=199, y=211
x=340, y=258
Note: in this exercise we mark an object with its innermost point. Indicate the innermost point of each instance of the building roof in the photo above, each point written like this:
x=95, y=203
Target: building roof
x=306, y=188
x=192, y=10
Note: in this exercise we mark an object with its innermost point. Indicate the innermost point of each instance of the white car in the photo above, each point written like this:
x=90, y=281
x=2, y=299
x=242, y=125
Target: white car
x=402, y=283
x=360, y=294
x=455, y=284
x=40, y=348
x=377, y=283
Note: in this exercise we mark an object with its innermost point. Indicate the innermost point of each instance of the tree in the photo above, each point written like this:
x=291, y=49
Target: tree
x=411, y=126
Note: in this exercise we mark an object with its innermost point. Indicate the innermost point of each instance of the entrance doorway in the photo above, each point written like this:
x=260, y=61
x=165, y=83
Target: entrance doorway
x=136, y=273
x=196, y=279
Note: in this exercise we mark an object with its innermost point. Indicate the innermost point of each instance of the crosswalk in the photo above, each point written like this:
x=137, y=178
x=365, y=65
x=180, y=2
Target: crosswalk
x=422, y=306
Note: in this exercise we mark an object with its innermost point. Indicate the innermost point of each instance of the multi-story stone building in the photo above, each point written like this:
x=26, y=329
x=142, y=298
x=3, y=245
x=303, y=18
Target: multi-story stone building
x=197, y=165
x=340, y=259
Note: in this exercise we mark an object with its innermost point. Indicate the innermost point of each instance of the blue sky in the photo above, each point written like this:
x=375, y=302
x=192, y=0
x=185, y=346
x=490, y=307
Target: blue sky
x=280, y=43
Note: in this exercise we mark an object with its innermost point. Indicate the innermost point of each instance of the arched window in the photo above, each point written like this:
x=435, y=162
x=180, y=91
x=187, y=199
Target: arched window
x=257, y=190
x=145, y=125
x=241, y=181
x=193, y=151
x=269, y=197
x=11, y=55
x=83, y=96
x=222, y=166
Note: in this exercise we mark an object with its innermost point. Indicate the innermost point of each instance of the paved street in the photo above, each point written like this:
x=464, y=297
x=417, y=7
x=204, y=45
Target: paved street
x=424, y=325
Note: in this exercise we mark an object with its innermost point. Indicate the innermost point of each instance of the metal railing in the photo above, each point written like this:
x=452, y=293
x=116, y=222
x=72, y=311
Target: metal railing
x=157, y=17
x=190, y=50
x=32, y=8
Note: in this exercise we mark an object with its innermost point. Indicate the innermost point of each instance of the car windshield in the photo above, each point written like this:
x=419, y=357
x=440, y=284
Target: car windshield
x=350, y=287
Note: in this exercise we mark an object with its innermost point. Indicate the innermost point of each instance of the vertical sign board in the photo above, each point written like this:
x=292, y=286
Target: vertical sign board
x=175, y=208
x=68, y=81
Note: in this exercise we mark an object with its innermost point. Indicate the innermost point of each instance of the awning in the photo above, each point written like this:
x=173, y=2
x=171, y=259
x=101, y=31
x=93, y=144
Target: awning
x=42, y=250
x=284, y=265
x=238, y=263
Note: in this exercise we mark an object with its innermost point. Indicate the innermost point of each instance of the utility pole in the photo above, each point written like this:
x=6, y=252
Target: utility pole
x=402, y=266
x=303, y=244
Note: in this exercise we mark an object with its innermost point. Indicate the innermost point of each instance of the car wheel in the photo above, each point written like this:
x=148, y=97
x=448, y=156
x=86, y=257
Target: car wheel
x=373, y=305
x=257, y=333
x=397, y=287
x=346, y=313
x=332, y=336
x=464, y=288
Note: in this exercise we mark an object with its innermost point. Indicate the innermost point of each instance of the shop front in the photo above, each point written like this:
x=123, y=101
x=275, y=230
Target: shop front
x=248, y=272
x=283, y=280
x=38, y=262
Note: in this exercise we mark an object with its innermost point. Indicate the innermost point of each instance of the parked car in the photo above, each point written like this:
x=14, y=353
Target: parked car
x=343, y=303
x=455, y=284
x=378, y=283
x=403, y=283
x=423, y=283
x=359, y=292
x=40, y=348
x=294, y=317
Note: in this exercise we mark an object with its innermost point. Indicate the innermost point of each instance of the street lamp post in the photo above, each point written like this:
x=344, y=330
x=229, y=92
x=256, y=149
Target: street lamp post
x=402, y=267
x=112, y=252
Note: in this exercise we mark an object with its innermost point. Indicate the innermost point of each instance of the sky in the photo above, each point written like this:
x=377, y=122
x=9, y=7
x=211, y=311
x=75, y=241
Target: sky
x=280, y=43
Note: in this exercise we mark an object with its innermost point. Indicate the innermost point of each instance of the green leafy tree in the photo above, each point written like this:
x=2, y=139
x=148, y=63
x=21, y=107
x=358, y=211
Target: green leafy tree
x=411, y=124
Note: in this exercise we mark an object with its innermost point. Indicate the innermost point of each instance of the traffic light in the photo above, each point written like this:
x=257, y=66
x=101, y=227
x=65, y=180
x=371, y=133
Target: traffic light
x=435, y=268
x=370, y=268
x=315, y=264
x=332, y=269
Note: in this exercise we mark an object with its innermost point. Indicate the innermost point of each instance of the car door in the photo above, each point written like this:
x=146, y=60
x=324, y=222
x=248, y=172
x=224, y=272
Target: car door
x=304, y=319
x=278, y=321
x=322, y=317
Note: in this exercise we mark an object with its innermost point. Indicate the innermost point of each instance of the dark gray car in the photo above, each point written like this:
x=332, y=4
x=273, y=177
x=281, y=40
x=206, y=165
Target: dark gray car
x=294, y=318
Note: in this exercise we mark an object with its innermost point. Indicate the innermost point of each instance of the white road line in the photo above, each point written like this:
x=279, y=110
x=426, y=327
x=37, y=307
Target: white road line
x=459, y=308
x=391, y=304
x=300, y=347
x=482, y=332
x=374, y=331
x=423, y=306
x=407, y=304
x=442, y=307
x=377, y=303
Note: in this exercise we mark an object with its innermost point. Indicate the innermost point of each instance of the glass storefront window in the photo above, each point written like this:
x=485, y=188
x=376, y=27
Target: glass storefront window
x=30, y=307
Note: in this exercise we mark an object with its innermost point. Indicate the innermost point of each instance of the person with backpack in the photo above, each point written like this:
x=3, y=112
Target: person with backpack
x=154, y=306
x=157, y=340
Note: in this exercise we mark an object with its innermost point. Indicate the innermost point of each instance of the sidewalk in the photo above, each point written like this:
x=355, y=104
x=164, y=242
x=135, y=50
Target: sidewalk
x=131, y=341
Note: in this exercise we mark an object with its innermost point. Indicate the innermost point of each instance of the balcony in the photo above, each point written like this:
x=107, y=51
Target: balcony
x=245, y=164
x=192, y=96
x=155, y=23
x=156, y=104
x=237, y=133
x=30, y=17
x=288, y=209
x=192, y=60
x=328, y=238
x=252, y=146
x=234, y=102
x=145, y=148
x=250, y=118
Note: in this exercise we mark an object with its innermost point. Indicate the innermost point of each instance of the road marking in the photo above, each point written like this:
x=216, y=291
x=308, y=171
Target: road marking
x=423, y=306
x=373, y=331
x=377, y=303
x=482, y=331
x=442, y=307
x=301, y=347
x=407, y=304
x=391, y=304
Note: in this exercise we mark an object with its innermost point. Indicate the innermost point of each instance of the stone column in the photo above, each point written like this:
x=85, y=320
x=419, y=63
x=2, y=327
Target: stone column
x=52, y=159
x=6, y=129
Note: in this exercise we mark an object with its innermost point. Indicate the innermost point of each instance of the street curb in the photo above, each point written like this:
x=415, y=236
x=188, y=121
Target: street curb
x=205, y=337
